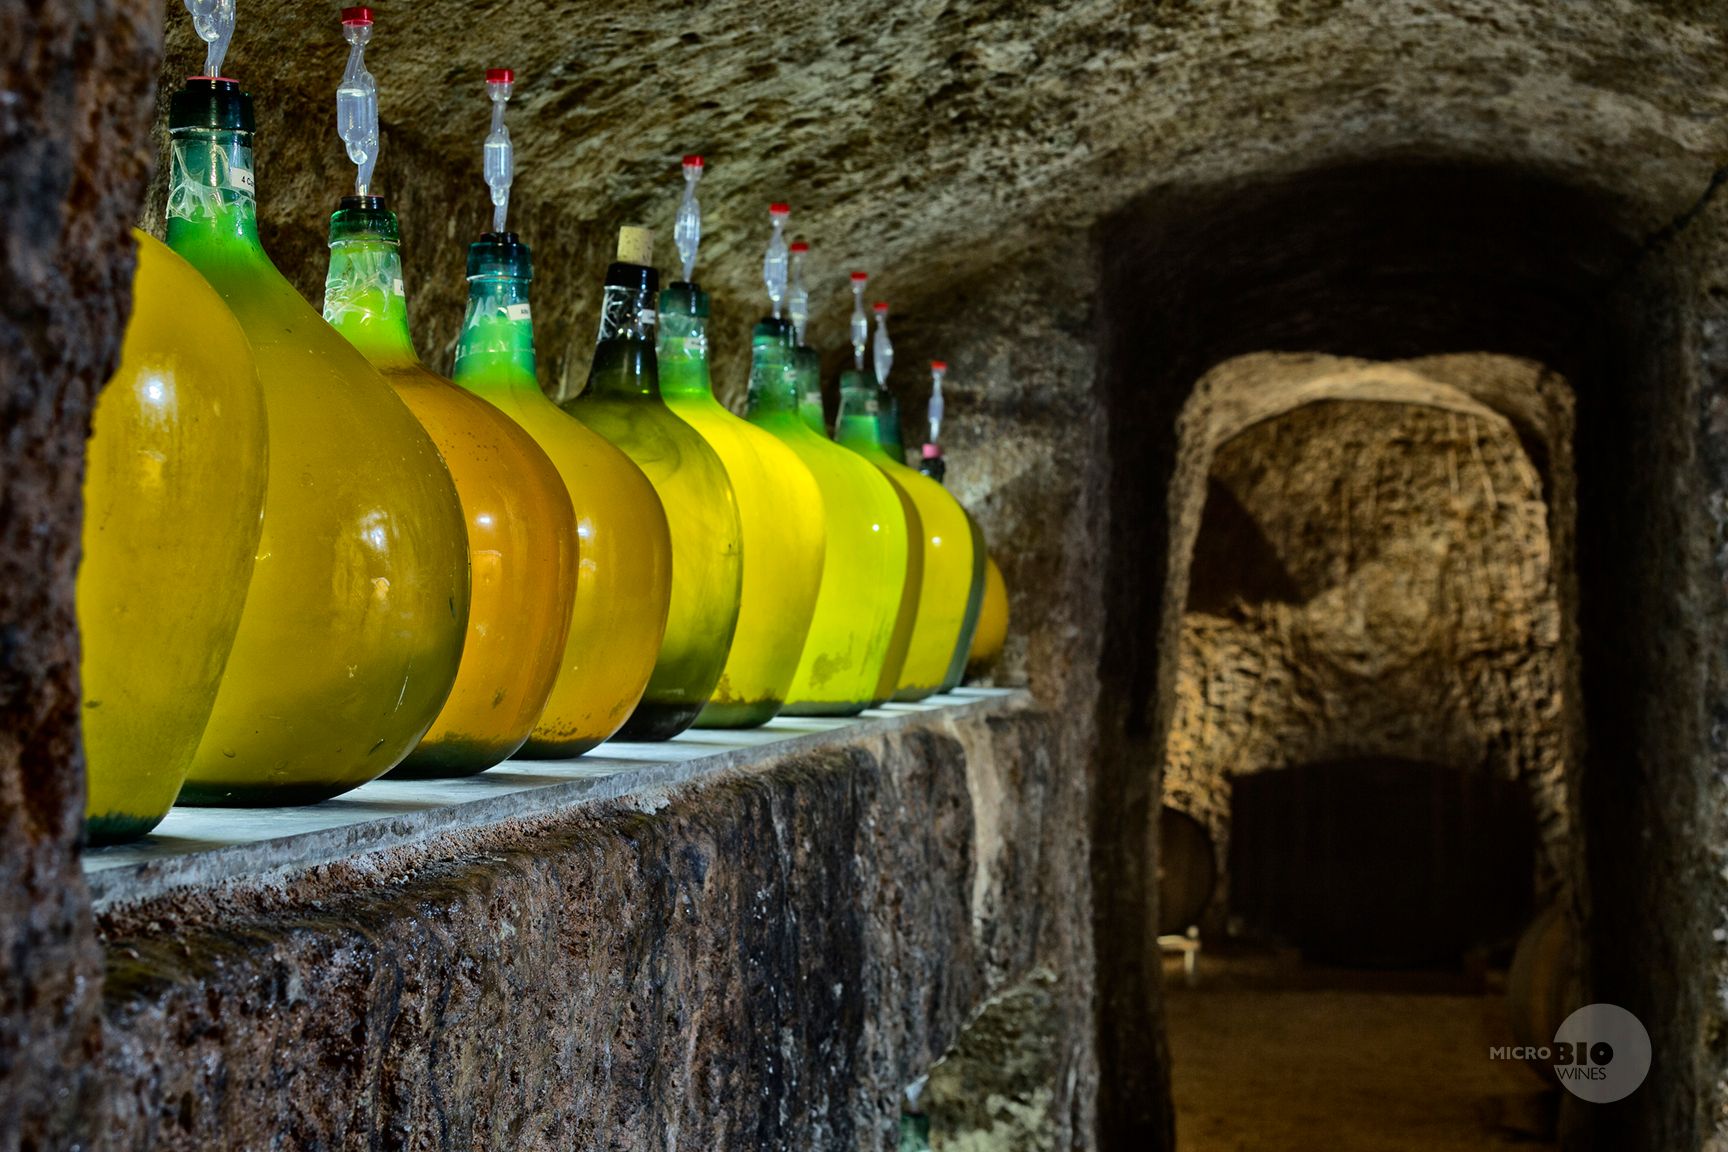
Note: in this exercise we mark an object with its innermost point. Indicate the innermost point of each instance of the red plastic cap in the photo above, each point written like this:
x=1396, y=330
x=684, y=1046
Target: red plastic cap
x=881, y=305
x=778, y=209
x=356, y=15
x=939, y=365
x=500, y=76
x=931, y=452
x=800, y=246
x=860, y=277
x=692, y=161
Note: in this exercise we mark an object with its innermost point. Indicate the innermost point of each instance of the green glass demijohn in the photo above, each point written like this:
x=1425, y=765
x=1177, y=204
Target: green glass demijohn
x=780, y=523
x=944, y=539
x=354, y=622
x=854, y=650
x=624, y=580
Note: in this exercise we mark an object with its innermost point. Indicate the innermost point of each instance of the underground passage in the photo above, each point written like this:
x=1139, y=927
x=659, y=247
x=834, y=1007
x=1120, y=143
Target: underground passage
x=960, y=577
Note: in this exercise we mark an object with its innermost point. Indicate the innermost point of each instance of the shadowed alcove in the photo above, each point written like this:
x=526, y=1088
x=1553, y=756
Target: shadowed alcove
x=1395, y=261
x=1373, y=580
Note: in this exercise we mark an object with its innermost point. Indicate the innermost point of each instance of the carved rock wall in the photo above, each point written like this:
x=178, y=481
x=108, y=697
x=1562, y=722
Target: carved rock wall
x=1373, y=578
x=759, y=961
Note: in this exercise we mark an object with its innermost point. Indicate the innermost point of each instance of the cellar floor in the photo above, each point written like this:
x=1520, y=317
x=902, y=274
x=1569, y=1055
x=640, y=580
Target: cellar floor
x=1270, y=1055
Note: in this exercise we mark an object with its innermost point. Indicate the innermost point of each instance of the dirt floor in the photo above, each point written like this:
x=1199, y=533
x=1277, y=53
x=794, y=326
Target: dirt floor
x=1270, y=1055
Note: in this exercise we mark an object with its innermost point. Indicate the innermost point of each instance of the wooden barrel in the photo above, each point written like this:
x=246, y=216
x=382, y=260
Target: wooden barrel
x=1187, y=871
x=1540, y=986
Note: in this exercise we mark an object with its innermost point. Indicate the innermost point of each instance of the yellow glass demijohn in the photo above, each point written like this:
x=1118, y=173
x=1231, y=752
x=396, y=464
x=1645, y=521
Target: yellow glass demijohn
x=624, y=584
x=174, y=485
x=780, y=522
x=622, y=403
x=354, y=622
x=520, y=522
x=945, y=538
x=935, y=466
x=852, y=634
x=992, y=634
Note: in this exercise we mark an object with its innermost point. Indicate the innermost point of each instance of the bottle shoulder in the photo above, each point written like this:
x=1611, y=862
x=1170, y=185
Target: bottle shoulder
x=661, y=442
x=476, y=438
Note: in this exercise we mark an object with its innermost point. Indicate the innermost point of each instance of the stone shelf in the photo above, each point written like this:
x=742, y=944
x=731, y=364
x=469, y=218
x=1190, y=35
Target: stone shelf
x=205, y=847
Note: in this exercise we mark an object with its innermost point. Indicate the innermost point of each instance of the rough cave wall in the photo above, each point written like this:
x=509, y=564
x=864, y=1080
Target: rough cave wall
x=1024, y=438
x=763, y=960
x=1357, y=176
x=75, y=85
x=1372, y=578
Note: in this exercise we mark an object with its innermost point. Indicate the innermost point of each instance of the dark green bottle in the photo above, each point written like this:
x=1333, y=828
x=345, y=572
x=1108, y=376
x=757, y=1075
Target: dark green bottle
x=622, y=403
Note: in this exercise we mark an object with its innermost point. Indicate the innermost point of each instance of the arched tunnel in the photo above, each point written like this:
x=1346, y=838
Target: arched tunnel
x=1341, y=388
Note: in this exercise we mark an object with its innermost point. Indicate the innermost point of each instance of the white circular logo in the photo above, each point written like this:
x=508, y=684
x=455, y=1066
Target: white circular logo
x=1601, y=1053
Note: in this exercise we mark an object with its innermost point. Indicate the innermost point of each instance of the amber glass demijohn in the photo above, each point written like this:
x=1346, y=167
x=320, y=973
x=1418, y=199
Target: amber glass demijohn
x=779, y=515
x=850, y=651
x=354, y=621
x=622, y=403
x=624, y=577
x=945, y=539
x=521, y=526
x=624, y=582
x=174, y=485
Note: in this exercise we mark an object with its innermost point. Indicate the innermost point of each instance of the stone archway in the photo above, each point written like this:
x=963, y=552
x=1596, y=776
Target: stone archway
x=1375, y=570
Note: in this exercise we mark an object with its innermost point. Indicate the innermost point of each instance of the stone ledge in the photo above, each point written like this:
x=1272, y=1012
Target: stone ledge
x=761, y=952
x=202, y=848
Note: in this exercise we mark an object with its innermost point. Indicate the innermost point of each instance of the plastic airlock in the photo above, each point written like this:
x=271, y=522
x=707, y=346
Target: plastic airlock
x=687, y=228
x=938, y=370
x=213, y=20
x=881, y=348
x=774, y=260
x=798, y=295
x=860, y=321
x=357, y=100
x=499, y=162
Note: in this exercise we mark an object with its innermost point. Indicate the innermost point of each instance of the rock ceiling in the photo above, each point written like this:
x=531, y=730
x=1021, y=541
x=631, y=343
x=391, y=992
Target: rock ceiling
x=929, y=139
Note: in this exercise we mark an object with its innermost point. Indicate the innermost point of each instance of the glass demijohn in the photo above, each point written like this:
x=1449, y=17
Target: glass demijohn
x=944, y=534
x=779, y=507
x=624, y=581
x=354, y=622
x=850, y=659
x=520, y=524
x=622, y=403
x=174, y=485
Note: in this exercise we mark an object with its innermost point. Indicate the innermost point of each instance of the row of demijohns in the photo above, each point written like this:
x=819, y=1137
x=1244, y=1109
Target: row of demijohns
x=310, y=560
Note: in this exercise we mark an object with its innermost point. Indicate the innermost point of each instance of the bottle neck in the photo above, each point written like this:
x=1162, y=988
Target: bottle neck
x=773, y=385
x=859, y=424
x=807, y=380
x=624, y=365
x=363, y=296
x=212, y=196
x=682, y=342
x=496, y=350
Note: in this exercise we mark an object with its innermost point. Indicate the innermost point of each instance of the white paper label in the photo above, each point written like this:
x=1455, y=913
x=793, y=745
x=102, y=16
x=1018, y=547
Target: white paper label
x=396, y=287
x=518, y=311
x=241, y=179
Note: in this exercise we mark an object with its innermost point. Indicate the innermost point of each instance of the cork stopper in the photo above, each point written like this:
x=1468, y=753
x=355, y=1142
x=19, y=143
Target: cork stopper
x=635, y=245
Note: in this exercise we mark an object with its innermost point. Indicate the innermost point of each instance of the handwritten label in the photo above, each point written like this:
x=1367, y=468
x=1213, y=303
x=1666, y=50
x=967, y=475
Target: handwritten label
x=518, y=311
x=241, y=180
